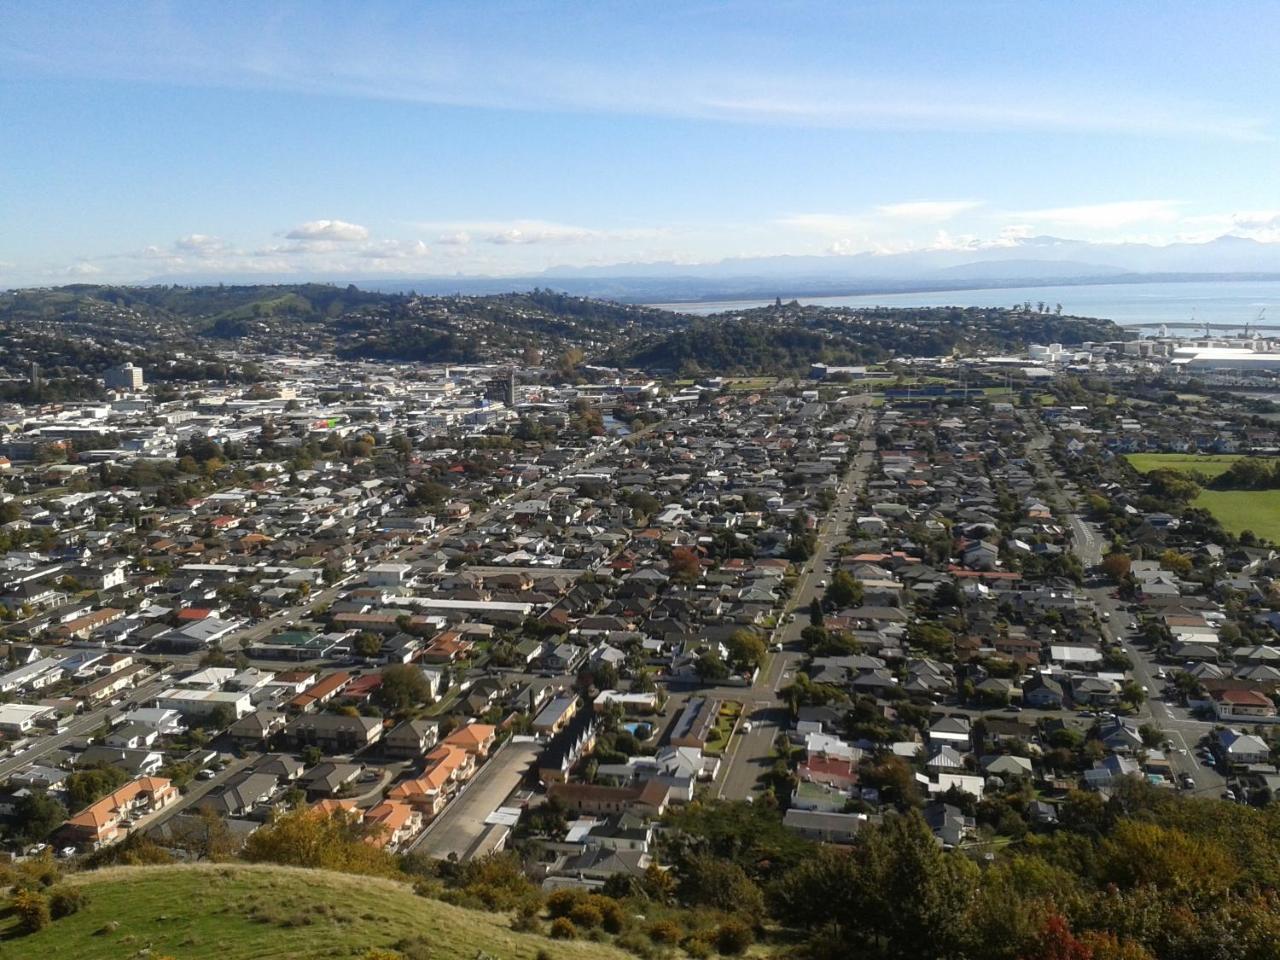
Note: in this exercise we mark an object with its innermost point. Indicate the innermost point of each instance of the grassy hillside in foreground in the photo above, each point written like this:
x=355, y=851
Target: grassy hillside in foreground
x=242, y=912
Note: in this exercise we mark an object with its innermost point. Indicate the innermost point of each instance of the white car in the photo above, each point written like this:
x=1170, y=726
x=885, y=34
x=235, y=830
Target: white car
x=746, y=726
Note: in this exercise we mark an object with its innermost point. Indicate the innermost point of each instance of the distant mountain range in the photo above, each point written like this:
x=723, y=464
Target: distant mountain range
x=1031, y=261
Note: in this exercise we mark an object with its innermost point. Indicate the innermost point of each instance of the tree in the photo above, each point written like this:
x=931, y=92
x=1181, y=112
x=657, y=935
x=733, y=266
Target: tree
x=221, y=716
x=1056, y=942
x=844, y=590
x=310, y=838
x=911, y=894
x=1171, y=485
x=710, y=668
x=711, y=881
x=207, y=837
x=746, y=649
x=895, y=780
x=367, y=645
x=87, y=786
x=816, y=618
x=403, y=686
x=36, y=815
x=684, y=565
x=1176, y=562
x=1117, y=565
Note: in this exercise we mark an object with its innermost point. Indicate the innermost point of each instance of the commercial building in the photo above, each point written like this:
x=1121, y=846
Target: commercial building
x=125, y=377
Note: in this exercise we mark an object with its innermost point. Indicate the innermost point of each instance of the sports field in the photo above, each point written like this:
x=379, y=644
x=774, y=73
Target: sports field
x=1238, y=510
x=1209, y=465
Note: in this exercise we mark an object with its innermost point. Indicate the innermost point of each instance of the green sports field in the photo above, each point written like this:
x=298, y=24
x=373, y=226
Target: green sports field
x=1239, y=510
x=1209, y=465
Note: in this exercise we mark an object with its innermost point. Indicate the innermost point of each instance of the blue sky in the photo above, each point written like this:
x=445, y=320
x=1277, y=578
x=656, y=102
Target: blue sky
x=410, y=139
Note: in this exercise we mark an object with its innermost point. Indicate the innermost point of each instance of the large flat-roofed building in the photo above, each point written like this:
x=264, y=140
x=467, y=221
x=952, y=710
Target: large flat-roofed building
x=1226, y=358
x=202, y=703
x=125, y=377
x=299, y=645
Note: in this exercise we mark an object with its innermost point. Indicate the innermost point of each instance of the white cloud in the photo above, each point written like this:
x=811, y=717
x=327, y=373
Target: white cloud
x=1105, y=216
x=931, y=211
x=396, y=250
x=338, y=231
x=458, y=238
x=199, y=244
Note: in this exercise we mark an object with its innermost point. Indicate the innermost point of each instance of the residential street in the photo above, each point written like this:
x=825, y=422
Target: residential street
x=1089, y=544
x=751, y=754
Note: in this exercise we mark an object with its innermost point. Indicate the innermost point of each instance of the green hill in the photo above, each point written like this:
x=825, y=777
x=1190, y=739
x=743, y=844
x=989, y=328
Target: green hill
x=243, y=912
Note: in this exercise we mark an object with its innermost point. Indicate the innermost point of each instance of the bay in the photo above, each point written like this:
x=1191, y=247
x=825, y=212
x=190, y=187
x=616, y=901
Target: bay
x=1129, y=304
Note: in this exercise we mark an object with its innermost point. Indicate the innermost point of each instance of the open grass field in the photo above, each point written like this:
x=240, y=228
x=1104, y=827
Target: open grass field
x=243, y=912
x=1237, y=510
x=1210, y=465
x=750, y=384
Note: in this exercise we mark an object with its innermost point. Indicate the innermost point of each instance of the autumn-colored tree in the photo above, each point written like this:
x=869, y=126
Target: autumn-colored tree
x=1057, y=942
x=1117, y=565
x=1139, y=854
x=684, y=565
x=1176, y=562
x=310, y=838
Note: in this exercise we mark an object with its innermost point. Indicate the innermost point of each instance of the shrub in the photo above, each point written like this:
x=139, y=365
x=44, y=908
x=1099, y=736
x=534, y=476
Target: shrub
x=697, y=948
x=665, y=931
x=562, y=928
x=561, y=902
x=635, y=942
x=32, y=909
x=613, y=917
x=734, y=937
x=64, y=901
x=586, y=915
x=526, y=922
x=542, y=954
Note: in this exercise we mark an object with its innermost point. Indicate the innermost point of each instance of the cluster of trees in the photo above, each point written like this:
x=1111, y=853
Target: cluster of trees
x=1144, y=875
x=1249, y=473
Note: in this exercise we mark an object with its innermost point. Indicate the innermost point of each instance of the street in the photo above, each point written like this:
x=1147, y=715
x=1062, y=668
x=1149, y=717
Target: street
x=751, y=754
x=1089, y=543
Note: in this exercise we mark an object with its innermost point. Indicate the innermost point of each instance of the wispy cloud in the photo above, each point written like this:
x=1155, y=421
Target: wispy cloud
x=524, y=232
x=928, y=211
x=1104, y=216
x=441, y=59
